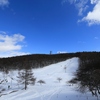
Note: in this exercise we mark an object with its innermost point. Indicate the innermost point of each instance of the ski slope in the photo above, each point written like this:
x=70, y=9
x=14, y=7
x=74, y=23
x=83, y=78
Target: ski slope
x=52, y=89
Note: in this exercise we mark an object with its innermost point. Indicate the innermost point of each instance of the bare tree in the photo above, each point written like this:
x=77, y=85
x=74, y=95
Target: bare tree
x=5, y=73
x=41, y=82
x=26, y=77
x=65, y=68
x=59, y=79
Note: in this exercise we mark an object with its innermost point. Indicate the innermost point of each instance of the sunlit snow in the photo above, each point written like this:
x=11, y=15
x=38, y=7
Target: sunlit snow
x=51, y=90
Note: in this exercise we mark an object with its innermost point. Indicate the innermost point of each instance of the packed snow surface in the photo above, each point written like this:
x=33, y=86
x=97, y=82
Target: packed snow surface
x=52, y=89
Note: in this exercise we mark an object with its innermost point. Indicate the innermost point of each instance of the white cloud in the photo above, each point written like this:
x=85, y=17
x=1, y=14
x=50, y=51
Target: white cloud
x=10, y=45
x=96, y=38
x=12, y=54
x=94, y=1
x=93, y=17
x=4, y=3
x=61, y=52
x=80, y=5
x=71, y=1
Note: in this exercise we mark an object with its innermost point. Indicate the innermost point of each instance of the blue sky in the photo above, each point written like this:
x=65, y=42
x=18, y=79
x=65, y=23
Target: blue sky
x=41, y=26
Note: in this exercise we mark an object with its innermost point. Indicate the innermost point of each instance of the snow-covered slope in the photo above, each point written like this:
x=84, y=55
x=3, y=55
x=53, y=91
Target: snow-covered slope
x=52, y=90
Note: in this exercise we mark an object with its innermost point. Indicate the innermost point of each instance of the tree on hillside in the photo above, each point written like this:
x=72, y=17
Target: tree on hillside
x=5, y=73
x=41, y=82
x=87, y=75
x=65, y=68
x=59, y=79
x=26, y=77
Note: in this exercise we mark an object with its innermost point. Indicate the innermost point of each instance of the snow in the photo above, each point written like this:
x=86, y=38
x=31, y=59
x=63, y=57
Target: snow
x=52, y=89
